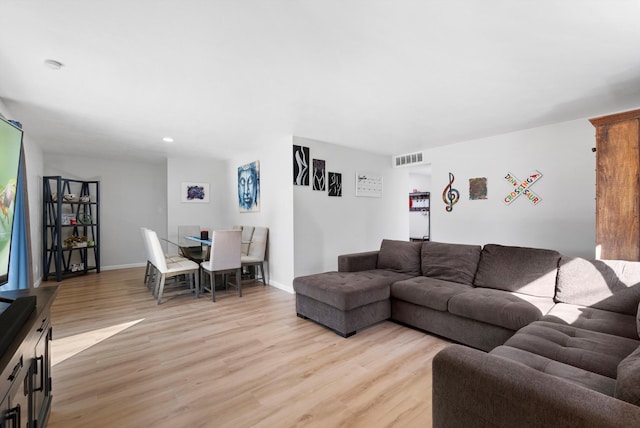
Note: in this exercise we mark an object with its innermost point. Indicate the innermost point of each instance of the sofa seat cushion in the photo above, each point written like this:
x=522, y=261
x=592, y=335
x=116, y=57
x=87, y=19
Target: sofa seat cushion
x=612, y=285
x=593, y=319
x=450, y=262
x=501, y=308
x=400, y=256
x=576, y=375
x=589, y=350
x=628, y=381
x=348, y=290
x=429, y=292
x=524, y=270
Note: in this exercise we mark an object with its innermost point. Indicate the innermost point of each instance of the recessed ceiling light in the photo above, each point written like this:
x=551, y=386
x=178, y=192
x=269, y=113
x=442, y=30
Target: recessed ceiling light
x=167, y=140
x=53, y=64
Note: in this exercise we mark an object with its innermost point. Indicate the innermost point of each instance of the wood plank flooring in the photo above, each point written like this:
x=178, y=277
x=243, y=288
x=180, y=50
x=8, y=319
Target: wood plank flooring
x=120, y=360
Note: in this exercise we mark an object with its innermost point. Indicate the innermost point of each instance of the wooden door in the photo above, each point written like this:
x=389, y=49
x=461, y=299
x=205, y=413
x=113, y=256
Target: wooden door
x=618, y=186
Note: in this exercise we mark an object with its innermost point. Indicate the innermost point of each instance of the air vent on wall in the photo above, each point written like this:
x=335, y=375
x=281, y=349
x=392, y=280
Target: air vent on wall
x=408, y=159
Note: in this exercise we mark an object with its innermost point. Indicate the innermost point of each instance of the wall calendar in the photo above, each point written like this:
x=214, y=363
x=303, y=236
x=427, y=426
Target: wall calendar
x=368, y=185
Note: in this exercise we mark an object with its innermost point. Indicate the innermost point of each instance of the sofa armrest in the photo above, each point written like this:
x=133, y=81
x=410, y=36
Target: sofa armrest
x=472, y=388
x=356, y=262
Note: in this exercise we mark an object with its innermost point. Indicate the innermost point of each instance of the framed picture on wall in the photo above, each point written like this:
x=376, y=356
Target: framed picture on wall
x=249, y=187
x=368, y=185
x=194, y=192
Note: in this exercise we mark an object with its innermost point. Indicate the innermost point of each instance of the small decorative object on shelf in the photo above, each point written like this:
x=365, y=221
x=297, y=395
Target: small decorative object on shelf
x=71, y=226
x=84, y=218
x=74, y=241
x=77, y=267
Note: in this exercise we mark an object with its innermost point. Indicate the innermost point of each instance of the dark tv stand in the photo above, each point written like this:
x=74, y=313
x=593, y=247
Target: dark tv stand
x=25, y=365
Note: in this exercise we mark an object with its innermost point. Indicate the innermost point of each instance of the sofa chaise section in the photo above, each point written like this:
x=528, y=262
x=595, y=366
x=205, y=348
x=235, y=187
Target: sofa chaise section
x=357, y=296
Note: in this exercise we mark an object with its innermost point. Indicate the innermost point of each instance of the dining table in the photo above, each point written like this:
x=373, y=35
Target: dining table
x=194, y=252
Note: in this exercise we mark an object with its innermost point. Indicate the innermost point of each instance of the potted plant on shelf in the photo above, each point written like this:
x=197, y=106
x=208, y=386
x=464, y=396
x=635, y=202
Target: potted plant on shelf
x=74, y=241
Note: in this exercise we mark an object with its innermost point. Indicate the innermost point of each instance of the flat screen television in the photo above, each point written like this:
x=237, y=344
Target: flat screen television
x=10, y=149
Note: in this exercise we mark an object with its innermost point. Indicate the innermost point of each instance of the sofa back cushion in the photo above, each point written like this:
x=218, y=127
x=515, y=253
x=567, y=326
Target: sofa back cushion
x=628, y=379
x=450, y=262
x=611, y=285
x=530, y=271
x=400, y=256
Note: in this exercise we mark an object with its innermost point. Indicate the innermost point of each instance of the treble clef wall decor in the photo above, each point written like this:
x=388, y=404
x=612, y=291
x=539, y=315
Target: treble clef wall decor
x=450, y=196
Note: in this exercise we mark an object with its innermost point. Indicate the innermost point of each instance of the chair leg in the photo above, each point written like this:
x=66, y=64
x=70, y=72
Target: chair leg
x=146, y=272
x=160, y=288
x=212, y=275
x=264, y=279
x=196, y=280
x=238, y=282
x=151, y=279
x=156, y=283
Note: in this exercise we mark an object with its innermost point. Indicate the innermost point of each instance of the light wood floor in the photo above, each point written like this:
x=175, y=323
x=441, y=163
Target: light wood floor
x=122, y=361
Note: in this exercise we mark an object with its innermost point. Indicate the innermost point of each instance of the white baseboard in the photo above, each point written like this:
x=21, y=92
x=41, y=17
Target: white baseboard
x=114, y=267
x=282, y=287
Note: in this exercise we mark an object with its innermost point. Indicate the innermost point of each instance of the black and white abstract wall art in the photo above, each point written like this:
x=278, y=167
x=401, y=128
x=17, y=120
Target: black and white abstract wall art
x=319, y=175
x=335, y=184
x=300, y=165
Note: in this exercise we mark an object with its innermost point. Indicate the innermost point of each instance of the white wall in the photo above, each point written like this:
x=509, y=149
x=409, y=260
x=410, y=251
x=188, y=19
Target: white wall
x=209, y=216
x=34, y=165
x=132, y=194
x=565, y=218
x=276, y=205
x=309, y=229
x=325, y=227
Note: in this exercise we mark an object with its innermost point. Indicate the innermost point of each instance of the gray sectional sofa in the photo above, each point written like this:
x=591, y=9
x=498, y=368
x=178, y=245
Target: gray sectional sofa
x=551, y=340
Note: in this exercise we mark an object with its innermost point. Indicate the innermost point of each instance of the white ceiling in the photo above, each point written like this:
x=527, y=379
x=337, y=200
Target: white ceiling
x=387, y=76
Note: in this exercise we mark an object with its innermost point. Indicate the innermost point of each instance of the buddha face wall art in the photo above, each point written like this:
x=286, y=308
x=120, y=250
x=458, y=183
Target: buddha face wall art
x=249, y=187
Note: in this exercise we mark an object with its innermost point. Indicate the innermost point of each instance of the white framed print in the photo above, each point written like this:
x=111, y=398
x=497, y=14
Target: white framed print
x=194, y=192
x=368, y=185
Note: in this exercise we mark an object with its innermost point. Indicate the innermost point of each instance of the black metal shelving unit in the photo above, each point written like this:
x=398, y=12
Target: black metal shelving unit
x=63, y=218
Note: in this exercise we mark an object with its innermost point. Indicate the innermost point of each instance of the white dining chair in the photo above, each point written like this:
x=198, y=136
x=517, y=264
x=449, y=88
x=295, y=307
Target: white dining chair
x=150, y=271
x=257, y=251
x=170, y=269
x=224, y=258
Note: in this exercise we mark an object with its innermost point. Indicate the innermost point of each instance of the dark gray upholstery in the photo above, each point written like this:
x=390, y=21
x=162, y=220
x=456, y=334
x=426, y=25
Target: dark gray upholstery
x=638, y=321
x=611, y=285
x=579, y=376
x=358, y=261
x=464, y=330
x=346, y=301
x=589, y=350
x=450, y=262
x=347, y=290
x=400, y=256
x=429, y=292
x=593, y=319
x=475, y=389
x=628, y=381
x=508, y=310
x=525, y=270
x=345, y=323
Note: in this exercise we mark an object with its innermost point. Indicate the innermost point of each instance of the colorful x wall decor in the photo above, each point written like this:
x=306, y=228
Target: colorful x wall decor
x=522, y=188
